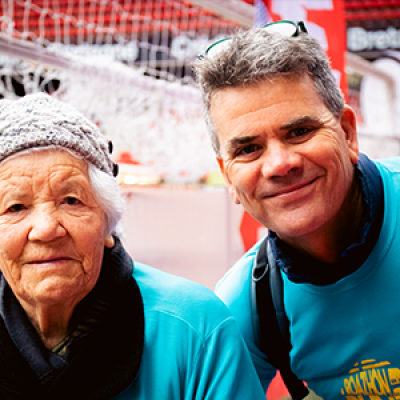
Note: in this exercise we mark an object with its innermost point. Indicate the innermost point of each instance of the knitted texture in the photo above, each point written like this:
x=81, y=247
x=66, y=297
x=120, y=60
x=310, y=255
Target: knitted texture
x=38, y=120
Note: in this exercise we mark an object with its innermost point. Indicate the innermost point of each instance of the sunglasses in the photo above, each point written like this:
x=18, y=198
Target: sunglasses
x=284, y=27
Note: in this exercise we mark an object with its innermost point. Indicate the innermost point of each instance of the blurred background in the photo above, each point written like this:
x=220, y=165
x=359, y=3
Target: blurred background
x=126, y=64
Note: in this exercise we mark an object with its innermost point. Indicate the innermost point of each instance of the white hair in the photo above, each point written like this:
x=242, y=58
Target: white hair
x=109, y=198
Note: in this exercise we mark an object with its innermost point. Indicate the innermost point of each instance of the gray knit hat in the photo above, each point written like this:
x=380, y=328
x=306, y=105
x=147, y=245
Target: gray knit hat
x=38, y=120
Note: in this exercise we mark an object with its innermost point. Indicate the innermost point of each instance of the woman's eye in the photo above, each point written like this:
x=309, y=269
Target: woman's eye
x=16, y=208
x=72, y=201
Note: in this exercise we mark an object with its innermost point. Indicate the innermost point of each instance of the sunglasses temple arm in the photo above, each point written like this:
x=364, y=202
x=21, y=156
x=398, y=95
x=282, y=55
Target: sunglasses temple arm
x=302, y=26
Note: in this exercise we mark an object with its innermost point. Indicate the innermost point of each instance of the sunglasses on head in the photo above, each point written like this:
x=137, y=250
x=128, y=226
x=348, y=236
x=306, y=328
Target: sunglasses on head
x=284, y=27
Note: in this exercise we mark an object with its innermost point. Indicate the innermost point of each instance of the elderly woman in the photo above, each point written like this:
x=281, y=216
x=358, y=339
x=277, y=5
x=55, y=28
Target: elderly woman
x=79, y=319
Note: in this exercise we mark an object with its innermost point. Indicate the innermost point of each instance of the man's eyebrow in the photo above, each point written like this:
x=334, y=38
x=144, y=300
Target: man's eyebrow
x=300, y=121
x=236, y=142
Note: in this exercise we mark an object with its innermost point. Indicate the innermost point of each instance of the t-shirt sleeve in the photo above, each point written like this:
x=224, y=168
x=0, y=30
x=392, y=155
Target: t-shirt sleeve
x=224, y=369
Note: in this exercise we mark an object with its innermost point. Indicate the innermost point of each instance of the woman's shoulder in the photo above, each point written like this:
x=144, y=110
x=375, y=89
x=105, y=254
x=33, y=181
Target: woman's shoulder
x=175, y=298
x=391, y=164
x=155, y=280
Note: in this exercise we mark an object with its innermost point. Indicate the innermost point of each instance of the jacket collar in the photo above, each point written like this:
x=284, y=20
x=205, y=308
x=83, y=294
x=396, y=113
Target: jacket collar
x=100, y=363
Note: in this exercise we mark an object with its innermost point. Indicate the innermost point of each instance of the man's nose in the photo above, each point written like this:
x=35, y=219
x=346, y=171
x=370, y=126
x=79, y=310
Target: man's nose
x=280, y=159
x=45, y=226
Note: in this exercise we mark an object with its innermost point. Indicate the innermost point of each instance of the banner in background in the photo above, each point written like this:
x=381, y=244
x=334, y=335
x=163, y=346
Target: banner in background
x=324, y=19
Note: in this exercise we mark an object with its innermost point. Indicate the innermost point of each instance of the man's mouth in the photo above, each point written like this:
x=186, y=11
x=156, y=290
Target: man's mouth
x=291, y=189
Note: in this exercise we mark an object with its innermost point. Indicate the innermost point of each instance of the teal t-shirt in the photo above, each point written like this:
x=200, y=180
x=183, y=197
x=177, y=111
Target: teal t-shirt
x=193, y=349
x=344, y=335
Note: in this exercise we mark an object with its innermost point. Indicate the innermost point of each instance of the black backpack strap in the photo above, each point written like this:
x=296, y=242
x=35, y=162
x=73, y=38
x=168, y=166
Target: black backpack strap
x=267, y=285
x=276, y=288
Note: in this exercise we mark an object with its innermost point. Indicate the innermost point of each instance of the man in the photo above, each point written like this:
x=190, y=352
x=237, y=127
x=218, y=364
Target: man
x=286, y=144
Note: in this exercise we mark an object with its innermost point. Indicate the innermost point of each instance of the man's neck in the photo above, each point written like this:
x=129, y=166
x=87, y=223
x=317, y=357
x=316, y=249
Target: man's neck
x=328, y=243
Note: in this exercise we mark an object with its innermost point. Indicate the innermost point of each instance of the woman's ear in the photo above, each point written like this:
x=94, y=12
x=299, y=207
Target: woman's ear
x=109, y=242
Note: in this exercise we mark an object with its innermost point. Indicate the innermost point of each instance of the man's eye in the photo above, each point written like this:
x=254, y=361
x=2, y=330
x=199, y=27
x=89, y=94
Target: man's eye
x=72, y=201
x=249, y=149
x=299, y=132
x=16, y=208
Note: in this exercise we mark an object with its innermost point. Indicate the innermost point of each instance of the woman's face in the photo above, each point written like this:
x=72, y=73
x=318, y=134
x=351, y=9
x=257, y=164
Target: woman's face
x=52, y=230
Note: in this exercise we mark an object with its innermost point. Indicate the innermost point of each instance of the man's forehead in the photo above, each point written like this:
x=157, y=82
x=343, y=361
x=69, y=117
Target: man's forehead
x=273, y=82
x=267, y=80
x=282, y=100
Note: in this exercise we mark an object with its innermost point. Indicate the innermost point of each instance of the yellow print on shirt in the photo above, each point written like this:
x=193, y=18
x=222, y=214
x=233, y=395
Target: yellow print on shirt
x=372, y=380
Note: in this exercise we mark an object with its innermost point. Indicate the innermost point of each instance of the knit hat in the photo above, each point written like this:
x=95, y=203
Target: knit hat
x=38, y=120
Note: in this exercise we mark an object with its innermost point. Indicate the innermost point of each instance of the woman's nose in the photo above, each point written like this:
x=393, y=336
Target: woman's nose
x=45, y=226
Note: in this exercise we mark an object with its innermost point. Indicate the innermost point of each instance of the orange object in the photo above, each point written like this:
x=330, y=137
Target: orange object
x=277, y=389
x=125, y=157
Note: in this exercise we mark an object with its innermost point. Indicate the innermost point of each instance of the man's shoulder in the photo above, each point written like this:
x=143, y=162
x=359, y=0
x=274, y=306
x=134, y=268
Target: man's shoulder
x=235, y=289
x=239, y=273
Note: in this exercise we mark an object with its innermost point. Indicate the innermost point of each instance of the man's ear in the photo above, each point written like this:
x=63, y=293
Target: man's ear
x=228, y=182
x=109, y=242
x=349, y=126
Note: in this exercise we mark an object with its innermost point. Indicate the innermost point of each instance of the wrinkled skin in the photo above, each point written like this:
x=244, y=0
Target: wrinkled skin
x=289, y=161
x=52, y=236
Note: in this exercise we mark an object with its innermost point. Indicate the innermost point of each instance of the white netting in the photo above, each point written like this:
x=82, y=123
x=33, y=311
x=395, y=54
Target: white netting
x=159, y=36
x=160, y=123
x=110, y=53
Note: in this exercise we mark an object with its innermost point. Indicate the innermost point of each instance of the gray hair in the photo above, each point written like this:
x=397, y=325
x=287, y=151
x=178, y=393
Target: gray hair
x=255, y=55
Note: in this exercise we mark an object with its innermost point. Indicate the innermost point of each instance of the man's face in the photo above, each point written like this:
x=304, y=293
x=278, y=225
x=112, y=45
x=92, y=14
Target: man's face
x=284, y=156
